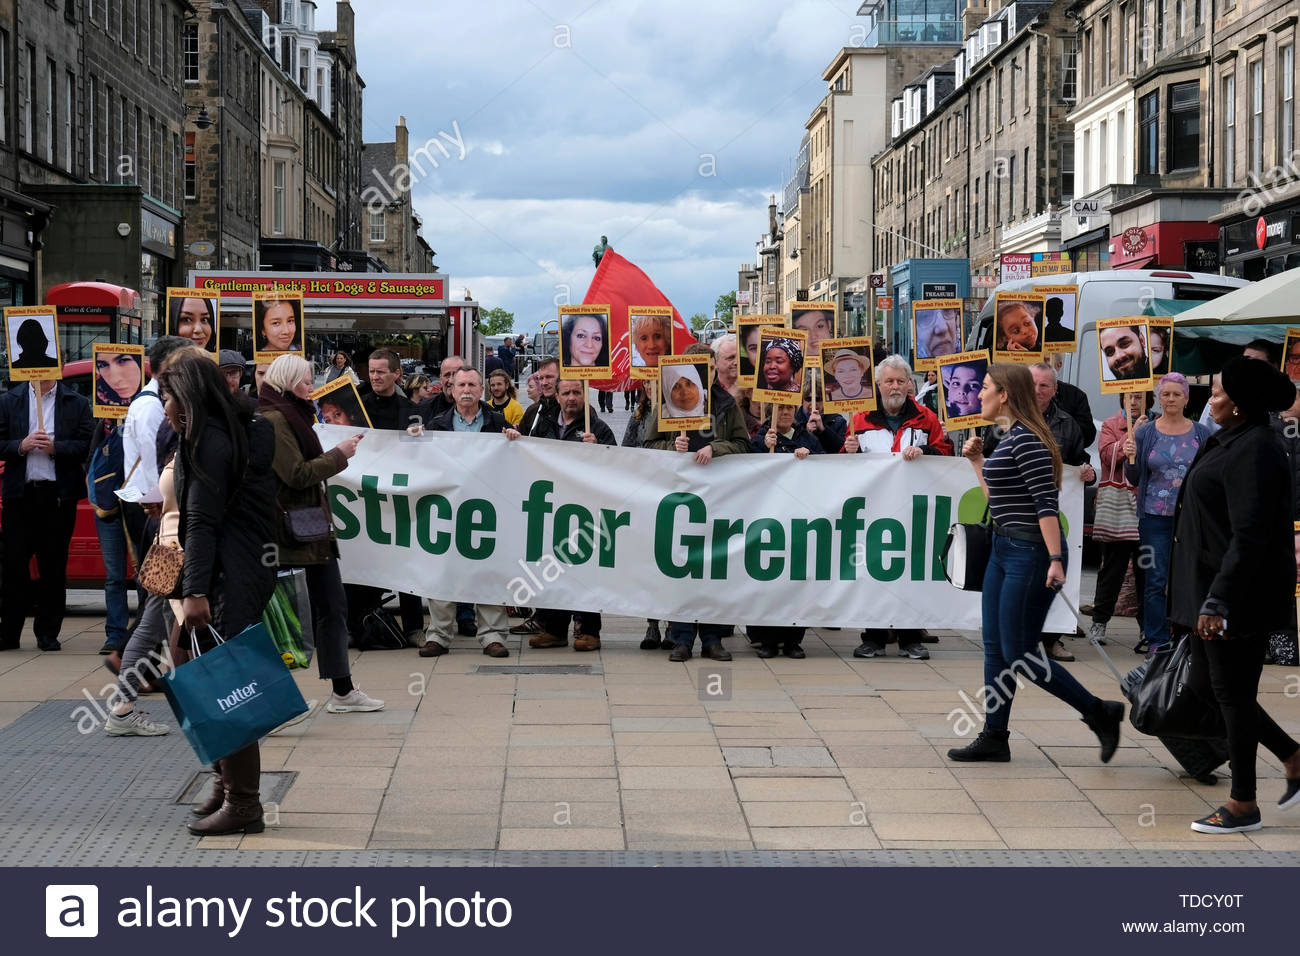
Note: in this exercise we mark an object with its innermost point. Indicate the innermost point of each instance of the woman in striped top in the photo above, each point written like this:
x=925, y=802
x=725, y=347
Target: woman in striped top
x=1022, y=479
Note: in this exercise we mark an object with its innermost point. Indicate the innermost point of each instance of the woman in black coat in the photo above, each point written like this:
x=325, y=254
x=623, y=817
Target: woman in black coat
x=225, y=488
x=1232, y=575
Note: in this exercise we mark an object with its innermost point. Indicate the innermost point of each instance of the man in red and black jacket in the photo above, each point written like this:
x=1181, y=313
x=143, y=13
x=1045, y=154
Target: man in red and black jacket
x=898, y=426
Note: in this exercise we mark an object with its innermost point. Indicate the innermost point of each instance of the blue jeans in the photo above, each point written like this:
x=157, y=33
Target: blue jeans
x=684, y=633
x=1155, y=546
x=112, y=545
x=1015, y=603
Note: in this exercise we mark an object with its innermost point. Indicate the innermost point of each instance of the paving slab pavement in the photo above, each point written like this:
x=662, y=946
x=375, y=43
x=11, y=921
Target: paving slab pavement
x=832, y=761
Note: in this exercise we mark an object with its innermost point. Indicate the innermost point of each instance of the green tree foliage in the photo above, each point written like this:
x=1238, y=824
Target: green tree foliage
x=725, y=307
x=496, y=321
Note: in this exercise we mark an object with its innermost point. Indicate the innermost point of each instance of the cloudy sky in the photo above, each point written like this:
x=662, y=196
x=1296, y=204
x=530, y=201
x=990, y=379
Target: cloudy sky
x=583, y=118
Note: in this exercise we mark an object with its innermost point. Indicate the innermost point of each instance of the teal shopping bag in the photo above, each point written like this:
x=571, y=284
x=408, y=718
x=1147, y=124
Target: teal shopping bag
x=233, y=695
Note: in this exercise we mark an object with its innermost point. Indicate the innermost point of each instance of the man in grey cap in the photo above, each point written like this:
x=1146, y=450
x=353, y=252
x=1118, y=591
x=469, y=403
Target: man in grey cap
x=232, y=367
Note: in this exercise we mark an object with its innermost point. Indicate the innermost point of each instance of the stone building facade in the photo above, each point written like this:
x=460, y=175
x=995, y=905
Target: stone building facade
x=1254, y=129
x=974, y=165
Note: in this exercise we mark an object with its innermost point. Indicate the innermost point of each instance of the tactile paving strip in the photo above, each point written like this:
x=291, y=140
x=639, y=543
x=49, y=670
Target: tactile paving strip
x=88, y=800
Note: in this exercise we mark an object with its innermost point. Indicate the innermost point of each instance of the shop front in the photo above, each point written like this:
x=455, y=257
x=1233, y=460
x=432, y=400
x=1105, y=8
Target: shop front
x=1255, y=247
x=22, y=220
x=115, y=235
x=1165, y=229
x=349, y=310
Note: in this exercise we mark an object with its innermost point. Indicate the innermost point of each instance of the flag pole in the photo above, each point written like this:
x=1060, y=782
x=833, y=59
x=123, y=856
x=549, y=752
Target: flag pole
x=586, y=406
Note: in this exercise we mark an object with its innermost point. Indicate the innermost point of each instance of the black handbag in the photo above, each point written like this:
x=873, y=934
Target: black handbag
x=1162, y=701
x=966, y=553
x=307, y=525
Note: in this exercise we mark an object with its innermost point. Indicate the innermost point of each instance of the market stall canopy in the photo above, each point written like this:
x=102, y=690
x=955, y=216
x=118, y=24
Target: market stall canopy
x=1275, y=300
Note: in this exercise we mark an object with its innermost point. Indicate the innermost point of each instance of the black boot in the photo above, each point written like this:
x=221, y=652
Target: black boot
x=1105, y=721
x=652, y=639
x=989, y=745
x=215, y=798
x=241, y=811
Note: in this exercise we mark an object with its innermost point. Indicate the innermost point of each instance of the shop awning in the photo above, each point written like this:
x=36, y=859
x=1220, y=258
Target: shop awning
x=1272, y=300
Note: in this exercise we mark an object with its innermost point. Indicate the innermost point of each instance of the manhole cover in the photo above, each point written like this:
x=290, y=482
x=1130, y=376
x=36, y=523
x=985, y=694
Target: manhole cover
x=563, y=670
x=274, y=786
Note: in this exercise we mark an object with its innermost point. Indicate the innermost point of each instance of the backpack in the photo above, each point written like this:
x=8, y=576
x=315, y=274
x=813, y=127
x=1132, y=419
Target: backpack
x=107, y=471
x=381, y=632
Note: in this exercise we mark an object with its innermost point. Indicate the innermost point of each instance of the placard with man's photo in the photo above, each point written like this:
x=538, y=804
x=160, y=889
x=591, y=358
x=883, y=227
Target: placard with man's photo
x=961, y=377
x=1060, y=313
x=338, y=403
x=684, y=399
x=32, y=334
x=1122, y=358
x=195, y=314
x=650, y=336
x=817, y=319
x=747, y=327
x=119, y=376
x=936, y=331
x=584, y=342
x=781, y=361
x=1018, y=327
x=848, y=375
x=278, y=325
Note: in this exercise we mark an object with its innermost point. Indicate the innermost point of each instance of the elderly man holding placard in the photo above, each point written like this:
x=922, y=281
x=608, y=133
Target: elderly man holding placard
x=898, y=426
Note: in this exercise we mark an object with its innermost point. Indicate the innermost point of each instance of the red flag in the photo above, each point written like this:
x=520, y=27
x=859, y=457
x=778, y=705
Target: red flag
x=619, y=284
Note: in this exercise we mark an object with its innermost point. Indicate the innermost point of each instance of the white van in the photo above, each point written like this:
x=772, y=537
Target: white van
x=1104, y=295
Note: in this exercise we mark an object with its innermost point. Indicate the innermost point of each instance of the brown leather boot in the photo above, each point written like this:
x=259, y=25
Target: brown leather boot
x=241, y=811
x=216, y=797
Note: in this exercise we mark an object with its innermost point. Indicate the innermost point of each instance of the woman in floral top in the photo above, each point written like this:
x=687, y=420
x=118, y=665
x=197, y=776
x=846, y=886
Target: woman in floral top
x=1162, y=451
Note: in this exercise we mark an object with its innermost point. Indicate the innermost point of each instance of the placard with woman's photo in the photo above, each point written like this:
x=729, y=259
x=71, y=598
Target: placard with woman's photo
x=278, y=325
x=684, y=399
x=195, y=314
x=338, y=403
x=781, y=360
x=817, y=319
x=119, y=376
x=747, y=327
x=650, y=333
x=936, y=331
x=584, y=342
x=32, y=334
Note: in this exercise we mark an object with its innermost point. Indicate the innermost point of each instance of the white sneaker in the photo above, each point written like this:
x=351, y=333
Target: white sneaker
x=134, y=724
x=1097, y=632
x=357, y=701
x=292, y=721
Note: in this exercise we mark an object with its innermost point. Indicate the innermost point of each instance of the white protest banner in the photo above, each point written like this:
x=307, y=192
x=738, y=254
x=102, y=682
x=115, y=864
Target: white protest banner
x=834, y=540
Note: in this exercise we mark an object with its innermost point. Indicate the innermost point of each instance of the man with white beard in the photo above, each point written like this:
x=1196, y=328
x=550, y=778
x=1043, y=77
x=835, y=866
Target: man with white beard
x=898, y=426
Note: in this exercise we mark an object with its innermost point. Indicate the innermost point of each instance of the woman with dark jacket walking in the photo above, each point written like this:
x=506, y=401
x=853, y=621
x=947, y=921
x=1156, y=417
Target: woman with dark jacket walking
x=1022, y=479
x=1232, y=575
x=225, y=489
x=727, y=436
x=302, y=467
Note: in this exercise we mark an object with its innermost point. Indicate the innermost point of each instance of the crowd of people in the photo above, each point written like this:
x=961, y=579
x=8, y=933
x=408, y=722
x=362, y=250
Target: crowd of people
x=215, y=469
